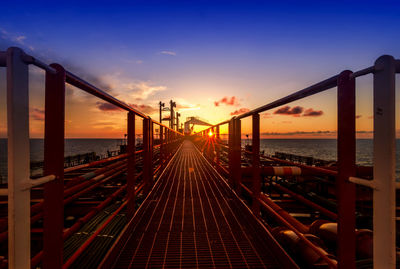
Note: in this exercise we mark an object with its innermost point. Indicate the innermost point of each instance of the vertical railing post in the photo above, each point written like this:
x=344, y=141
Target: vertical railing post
x=168, y=133
x=384, y=222
x=217, y=145
x=237, y=152
x=53, y=208
x=151, y=152
x=19, y=243
x=131, y=148
x=146, y=155
x=162, y=157
x=346, y=150
x=256, y=163
x=230, y=152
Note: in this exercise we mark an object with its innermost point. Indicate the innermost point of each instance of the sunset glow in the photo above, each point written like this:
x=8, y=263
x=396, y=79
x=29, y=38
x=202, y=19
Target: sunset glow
x=215, y=62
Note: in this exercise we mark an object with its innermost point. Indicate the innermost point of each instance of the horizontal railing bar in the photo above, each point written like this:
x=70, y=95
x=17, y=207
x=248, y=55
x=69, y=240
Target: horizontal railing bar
x=89, y=88
x=32, y=60
x=363, y=72
x=81, y=84
x=160, y=124
x=316, y=88
x=311, y=90
x=29, y=184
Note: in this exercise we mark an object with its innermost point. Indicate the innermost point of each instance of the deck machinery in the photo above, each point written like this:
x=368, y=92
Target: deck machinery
x=191, y=122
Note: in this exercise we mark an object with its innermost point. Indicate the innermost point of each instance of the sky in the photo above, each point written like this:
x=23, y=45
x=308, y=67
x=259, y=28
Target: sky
x=216, y=59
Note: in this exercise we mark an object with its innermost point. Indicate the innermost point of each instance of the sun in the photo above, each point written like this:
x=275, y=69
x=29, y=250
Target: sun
x=210, y=133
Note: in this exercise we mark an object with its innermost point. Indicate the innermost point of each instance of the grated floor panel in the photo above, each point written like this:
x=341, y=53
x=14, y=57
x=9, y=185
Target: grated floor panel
x=193, y=220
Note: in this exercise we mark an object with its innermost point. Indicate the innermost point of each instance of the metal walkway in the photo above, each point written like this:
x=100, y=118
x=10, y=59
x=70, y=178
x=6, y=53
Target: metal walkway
x=193, y=219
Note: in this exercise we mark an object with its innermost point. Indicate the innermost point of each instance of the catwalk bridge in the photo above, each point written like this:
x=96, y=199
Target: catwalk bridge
x=202, y=200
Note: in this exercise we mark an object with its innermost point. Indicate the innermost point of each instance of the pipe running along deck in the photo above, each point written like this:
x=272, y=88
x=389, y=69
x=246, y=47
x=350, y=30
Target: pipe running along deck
x=192, y=219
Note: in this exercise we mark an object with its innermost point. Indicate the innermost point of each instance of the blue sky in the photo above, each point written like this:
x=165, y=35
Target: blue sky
x=201, y=51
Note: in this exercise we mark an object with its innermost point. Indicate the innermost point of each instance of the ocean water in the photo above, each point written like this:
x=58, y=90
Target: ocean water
x=325, y=149
x=318, y=148
x=72, y=147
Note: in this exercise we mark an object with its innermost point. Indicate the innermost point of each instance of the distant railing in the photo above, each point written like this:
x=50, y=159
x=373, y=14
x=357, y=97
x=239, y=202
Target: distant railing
x=16, y=62
x=227, y=159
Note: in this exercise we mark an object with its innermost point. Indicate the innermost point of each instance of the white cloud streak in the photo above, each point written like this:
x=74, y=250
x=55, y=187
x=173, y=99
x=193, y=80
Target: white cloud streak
x=128, y=88
x=168, y=52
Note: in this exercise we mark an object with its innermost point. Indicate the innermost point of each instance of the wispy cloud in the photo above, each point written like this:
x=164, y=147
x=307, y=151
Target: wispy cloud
x=287, y=110
x=107, y=107
x=184, y=105
x=229, y=101
x=128, y=88
x=240, y=111
x=144, y=108
x=168, y=52
x=20, y=39
x=37, y=114
x=297, y=111
x=14, y=39
x=312, y=113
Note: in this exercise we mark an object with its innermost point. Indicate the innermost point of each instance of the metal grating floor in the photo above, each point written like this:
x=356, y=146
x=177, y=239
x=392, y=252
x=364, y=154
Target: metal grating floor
x=192, y=219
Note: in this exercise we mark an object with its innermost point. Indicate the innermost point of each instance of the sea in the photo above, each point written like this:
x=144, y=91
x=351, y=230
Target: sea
x=324, y=149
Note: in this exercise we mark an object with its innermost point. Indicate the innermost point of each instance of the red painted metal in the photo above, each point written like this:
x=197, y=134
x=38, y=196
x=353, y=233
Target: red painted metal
x=130, y=178
x=71, y=260
x=303, y=200
x=162, y=153
x=217, y=147
x=346, y=192
x=284, y=214
x=147, y=157
x=256, y=163
x=95, y=163
x=320, y=252
x=230, y=153
x=236, y=154
x=189, y=221
x=70, y=231
x=53, y=220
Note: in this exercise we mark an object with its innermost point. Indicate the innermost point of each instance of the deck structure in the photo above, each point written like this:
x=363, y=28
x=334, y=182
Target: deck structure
x=194, y=195
x=192, y=219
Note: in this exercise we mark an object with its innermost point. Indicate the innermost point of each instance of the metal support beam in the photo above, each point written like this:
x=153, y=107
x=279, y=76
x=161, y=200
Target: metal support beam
x=161, y=104
x=130, y=178
x=53, y=208
x=148, y=149
x=256, y=164
x=217, y=145
x=237, y=151
x=384, y=222
x=177, y=121
x=346, y=191
x=19, y=248
x=162, y=148
x=230, y=152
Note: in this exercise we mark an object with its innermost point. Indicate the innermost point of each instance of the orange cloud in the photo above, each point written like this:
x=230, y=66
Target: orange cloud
x=229, y=101
x=37, y=114
x=286, y=110
x=297, y=111
x=312, y=113
x=240, y=111
x=107, y=107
